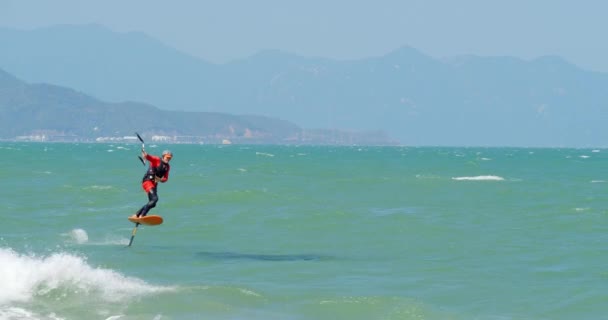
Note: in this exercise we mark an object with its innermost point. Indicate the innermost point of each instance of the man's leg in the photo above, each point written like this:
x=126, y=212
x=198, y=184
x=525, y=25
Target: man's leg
x=152, y=200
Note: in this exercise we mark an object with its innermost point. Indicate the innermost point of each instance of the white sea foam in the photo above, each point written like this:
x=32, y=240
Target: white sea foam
x=78, y=236
x=264, y=154
x=24, y=278
x=427, y=176
x=111, y=240
x=99, y=187
x=15, y=313
x=250, y=293
x=479, y=178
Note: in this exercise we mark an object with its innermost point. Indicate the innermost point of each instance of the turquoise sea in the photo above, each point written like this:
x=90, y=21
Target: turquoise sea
x=308, y=232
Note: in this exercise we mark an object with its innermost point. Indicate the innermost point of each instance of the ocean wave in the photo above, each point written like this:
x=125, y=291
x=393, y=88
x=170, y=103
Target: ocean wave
x=24, y=278
x=479, y=178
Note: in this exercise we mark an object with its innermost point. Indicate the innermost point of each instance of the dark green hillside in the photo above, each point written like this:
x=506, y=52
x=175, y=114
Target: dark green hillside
x=53, y=110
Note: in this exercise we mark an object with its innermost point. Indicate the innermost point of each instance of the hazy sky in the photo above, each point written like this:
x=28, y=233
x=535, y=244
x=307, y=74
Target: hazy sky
x=223, y=30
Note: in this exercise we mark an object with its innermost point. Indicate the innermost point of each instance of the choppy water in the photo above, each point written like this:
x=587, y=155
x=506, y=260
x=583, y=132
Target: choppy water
x=274, y=232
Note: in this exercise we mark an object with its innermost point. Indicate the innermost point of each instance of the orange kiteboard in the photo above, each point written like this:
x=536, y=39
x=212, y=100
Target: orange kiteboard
x=151, y=220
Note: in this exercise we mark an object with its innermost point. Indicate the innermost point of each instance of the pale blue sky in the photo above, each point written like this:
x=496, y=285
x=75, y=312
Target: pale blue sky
x=220, y=31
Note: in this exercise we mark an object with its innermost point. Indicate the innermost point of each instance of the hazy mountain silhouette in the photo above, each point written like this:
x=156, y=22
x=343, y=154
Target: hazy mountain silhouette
x=416, y=98
x=63, y=114
x=54, y=110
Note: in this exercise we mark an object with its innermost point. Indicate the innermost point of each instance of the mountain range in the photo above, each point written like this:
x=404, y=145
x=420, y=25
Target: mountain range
x=415, y=98
x=54, y=113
